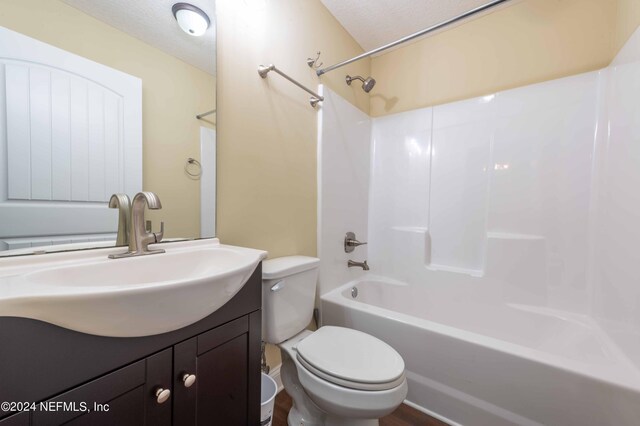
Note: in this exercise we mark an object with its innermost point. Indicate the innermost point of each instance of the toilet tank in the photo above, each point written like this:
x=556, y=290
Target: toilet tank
x=288, y=295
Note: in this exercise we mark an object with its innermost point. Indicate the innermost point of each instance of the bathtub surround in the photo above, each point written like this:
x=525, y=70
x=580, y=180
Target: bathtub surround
x=495, y=189
x=489, y=155
x=504, y=230
x=616, y=298
x=343, y=186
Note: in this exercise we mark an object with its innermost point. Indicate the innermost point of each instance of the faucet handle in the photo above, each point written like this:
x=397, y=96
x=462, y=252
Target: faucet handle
x=350, y=242
x=158, y=235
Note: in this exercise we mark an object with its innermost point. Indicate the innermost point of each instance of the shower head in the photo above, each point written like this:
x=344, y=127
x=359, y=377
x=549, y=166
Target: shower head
x=367, y=84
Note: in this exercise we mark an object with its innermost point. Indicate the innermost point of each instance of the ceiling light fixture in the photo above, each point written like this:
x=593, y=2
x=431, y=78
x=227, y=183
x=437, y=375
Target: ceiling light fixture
x=191, y=19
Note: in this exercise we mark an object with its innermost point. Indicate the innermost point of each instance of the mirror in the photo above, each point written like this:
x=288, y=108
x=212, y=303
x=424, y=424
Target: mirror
x=104, y=97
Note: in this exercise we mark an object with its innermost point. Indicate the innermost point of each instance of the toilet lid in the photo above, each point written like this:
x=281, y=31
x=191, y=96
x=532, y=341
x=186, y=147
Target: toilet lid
x=351, y=358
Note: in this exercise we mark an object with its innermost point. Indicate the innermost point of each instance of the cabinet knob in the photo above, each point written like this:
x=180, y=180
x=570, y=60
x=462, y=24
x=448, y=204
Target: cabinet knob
x=162, y=395
x=188, y=379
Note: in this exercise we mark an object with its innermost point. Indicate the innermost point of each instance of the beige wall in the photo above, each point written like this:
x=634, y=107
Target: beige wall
x=267, y=130
x=173, y=93
x=527, y=42
x=627, y=21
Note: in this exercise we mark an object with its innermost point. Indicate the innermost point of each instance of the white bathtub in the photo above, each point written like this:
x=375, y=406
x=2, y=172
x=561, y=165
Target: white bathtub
x=478, y=364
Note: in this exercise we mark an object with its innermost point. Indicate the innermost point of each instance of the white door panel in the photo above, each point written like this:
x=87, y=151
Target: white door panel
x=71, y=136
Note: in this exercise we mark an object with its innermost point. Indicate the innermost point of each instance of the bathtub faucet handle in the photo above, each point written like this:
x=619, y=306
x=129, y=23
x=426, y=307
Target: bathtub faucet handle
x=350, y=242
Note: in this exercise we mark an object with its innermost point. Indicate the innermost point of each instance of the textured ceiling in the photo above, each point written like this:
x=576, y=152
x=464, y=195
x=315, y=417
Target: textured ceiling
x=152, y=22
x=373, y=23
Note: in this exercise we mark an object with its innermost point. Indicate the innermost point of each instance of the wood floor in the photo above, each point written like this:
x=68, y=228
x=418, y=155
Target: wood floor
x=403, y=416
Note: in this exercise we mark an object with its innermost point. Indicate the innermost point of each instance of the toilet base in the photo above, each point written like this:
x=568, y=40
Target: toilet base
x=335, y=421
x=295, y=419
x=304, y=412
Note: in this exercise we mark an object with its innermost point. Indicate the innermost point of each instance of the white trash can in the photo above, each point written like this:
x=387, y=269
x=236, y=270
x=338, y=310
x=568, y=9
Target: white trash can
x=268, y=392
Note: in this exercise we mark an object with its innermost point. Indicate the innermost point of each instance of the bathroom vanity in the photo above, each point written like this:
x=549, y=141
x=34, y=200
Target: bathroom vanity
x=206, y=373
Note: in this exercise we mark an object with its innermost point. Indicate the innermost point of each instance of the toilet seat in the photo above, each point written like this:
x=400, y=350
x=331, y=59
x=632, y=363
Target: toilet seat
x=338, y=402
x=351, y=358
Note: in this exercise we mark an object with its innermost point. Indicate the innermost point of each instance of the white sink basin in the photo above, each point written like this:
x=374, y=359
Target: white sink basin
x=139, y=296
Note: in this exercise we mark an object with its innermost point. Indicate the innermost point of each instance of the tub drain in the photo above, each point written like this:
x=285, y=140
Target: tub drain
x=354, y=292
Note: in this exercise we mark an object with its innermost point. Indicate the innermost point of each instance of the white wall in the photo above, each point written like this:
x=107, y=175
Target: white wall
x=343, y=185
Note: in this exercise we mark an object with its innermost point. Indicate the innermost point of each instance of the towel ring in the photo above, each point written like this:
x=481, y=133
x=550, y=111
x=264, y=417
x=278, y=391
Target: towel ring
x=196, y=163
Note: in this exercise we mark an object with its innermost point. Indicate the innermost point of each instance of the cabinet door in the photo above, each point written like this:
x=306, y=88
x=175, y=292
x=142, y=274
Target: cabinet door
x=220, y=393
x=126, y=397
x=20, y=419
x=222, y=396
x=185, y=397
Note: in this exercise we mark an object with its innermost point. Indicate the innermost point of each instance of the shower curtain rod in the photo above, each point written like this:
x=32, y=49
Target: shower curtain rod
x=204, y=114
x=420, y=33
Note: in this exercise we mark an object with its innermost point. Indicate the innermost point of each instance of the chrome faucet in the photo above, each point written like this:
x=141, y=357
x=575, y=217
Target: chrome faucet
x=362, y=265
x=123, y=204
x=139, y=237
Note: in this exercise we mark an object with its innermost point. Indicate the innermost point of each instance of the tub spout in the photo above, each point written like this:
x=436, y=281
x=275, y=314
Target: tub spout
x=362, y=265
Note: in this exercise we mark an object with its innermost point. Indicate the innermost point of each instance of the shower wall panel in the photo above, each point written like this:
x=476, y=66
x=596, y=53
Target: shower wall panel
x=617, y=238
x=344, y=135
x=494, y=191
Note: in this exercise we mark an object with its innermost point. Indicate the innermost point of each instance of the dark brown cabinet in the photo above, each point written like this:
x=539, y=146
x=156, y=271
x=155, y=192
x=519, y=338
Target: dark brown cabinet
x=18, y=419
x=125, y=397
x=223, y=396
x=205, y=374
x=218, y=359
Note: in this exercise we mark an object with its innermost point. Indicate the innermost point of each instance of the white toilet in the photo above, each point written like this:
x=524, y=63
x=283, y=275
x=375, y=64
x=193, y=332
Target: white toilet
x=335, y=375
